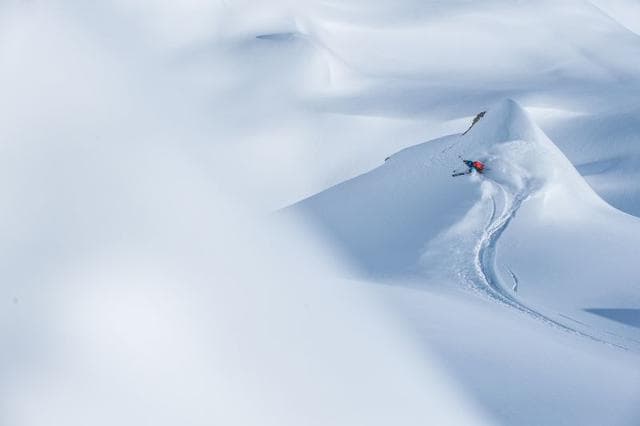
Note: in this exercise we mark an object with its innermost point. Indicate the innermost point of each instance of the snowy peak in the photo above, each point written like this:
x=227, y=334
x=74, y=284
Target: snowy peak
x=517, y=150
x=384, y=218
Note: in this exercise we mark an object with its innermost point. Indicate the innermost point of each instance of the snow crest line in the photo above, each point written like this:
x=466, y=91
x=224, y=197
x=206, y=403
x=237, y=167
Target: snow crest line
x=485, y=260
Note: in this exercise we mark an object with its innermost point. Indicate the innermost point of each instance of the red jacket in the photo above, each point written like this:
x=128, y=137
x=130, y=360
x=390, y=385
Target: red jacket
x=478, y=166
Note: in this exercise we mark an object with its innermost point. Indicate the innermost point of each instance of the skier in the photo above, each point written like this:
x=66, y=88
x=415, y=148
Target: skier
x=472, y=165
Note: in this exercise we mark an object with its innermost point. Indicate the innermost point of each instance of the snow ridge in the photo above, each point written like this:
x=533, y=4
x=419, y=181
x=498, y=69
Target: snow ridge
x=399, y=221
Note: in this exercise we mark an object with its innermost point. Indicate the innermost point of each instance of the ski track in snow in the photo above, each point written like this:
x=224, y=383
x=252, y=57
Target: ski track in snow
x=490, y=283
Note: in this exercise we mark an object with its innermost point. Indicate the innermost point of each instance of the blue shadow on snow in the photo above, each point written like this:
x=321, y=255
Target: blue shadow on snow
x=626, y=316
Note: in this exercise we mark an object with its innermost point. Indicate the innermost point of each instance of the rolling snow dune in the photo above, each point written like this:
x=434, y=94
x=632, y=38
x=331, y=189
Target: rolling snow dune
x=566, y=249
x=529, y=233
x=389, y=214
x=603, y=148
x=144, y=145
x=137, y=286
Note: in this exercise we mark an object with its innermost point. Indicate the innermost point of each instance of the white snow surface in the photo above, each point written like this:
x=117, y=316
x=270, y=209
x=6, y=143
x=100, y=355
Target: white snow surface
x=153, y=273
x=528, y=235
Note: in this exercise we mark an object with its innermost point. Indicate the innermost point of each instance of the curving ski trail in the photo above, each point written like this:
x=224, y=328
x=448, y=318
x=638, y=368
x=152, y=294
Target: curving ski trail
x=490, y=283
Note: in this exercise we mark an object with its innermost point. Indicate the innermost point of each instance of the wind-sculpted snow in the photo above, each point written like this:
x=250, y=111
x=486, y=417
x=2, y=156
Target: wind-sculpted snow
x=489, y=281
x=405, y=217
x=529, y=234
x=144, y=142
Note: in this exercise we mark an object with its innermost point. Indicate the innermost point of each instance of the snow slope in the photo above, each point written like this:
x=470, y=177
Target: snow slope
x=529, y=234
x=437, y=62
x=331, y=87
x=143, y=142
x=138, y=287
x=567, y=251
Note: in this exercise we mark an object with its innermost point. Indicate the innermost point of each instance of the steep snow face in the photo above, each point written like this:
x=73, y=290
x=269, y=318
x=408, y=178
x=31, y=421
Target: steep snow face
x=529, y=232
x=549, y=265
x=604, y=149
x=518, y=152
x=385, y=217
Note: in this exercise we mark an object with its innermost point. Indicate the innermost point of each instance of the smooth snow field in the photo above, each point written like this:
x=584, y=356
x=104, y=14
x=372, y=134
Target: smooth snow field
x=237, y=212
